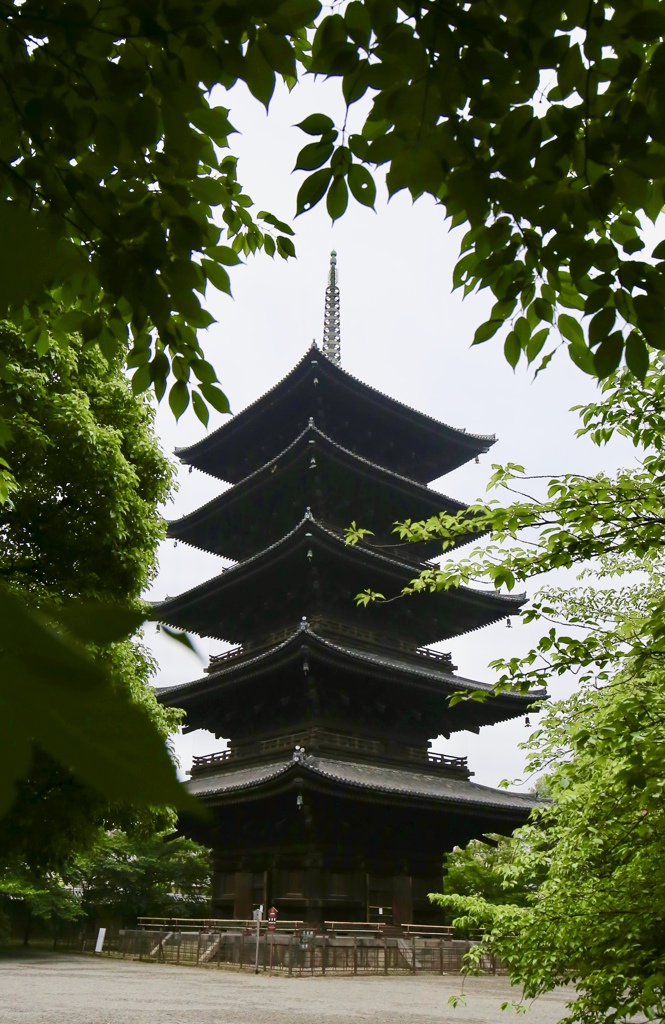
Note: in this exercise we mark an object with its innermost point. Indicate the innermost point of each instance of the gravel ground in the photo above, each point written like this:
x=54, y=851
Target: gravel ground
x=65, y=989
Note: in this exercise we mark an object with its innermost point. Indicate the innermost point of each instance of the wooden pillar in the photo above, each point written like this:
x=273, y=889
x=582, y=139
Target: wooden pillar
x=242, y=901
x=402, y=900
x=314, y=893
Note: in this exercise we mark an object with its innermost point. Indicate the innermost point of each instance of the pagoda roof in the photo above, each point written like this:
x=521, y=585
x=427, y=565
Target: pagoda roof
x=313, y=472
x=355, y=778
x=362, y=419
x=423, y=671
x=312, y=571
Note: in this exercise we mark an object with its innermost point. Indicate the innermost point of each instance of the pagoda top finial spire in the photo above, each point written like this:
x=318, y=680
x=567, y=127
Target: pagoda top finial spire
x=331, y=326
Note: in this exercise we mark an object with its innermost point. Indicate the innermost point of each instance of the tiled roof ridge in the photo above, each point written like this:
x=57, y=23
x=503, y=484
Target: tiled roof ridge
x=515, y=599
x=312, y=427
x=459, y=790
x=187, y=448
x=462, y=682
x=313, y=349
x=414, y=774
x=279, y=768
x=304, y=629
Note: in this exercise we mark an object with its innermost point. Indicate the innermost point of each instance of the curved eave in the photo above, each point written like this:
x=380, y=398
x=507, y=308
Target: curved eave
x=212, y=453
x=205, y=527
x=358, y=780
x=430, y=677
x=205, y=608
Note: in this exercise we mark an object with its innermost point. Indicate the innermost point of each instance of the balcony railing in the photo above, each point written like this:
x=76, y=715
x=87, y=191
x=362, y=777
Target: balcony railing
x=340, y=632
x=201, y=762
x=447, y=761
x=318, y=739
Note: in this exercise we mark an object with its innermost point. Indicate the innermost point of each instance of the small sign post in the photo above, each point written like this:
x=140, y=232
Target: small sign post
x=257, y=915
x=101, y=934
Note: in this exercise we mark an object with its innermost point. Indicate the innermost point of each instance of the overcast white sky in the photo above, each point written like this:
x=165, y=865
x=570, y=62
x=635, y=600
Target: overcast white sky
x=403, y=332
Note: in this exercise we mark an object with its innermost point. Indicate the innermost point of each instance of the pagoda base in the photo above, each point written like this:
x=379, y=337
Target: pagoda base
x=318, y=895
x=331, y=839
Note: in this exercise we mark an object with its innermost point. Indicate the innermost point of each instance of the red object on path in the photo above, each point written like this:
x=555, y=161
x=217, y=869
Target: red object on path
x=272, y=919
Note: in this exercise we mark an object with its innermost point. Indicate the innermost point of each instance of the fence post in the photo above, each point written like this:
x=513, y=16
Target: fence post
x=219, y=949
x=385, y=955
x=414, y=954
x=198, y=949
x=441, y=956
x=355, y=955
x=291, y=956
x=323, y=955
x=242, y=948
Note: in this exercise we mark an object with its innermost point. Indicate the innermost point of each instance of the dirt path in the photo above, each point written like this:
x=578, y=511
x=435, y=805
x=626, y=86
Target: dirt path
x=53, y=989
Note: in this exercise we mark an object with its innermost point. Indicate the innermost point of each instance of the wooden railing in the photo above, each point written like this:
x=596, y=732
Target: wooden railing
x=210, y=760
x=447, y=761
x=204, y=924
x=336, y=631
x=324, y=739
x=427, y=931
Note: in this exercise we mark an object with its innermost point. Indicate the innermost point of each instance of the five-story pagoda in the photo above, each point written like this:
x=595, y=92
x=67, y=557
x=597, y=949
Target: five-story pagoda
x=327, y=801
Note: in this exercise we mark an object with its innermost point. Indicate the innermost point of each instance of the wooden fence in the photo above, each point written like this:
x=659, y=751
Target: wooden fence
x=298, y=953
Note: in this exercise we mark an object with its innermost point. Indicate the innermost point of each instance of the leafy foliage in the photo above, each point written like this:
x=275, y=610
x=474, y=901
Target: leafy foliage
x=113, y=175
x=537, y=125
x=616, y=521
x=596, y=916
x=81, y=524
x=120, y=876
x=83, y=521
x=596, y=919
x=46, y=898
x=126, y=877
x=486, y=868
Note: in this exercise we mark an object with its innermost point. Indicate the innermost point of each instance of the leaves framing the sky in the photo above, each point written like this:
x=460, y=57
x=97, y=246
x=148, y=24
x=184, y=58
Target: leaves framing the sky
x=540, y=126
x=116, y=190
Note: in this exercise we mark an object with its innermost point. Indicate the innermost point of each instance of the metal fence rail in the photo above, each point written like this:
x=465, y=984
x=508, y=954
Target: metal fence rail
x=295, y=954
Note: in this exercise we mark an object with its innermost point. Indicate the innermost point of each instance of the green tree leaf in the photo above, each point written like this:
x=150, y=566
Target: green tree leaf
x=362, y=185
x=637, y=355
x=217, y=276
x=608, y=355
x=215, y=397
x=178, y=398
x=313, y=156
x=512, y=349
x=316, y=124
x=200, y=408
x=570, y=329
x=487, y=331
x=338, y=198
x=259, y=75
x=313, y=190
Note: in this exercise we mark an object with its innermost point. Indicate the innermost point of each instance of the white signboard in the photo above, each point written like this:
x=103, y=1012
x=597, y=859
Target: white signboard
x=100, y=940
